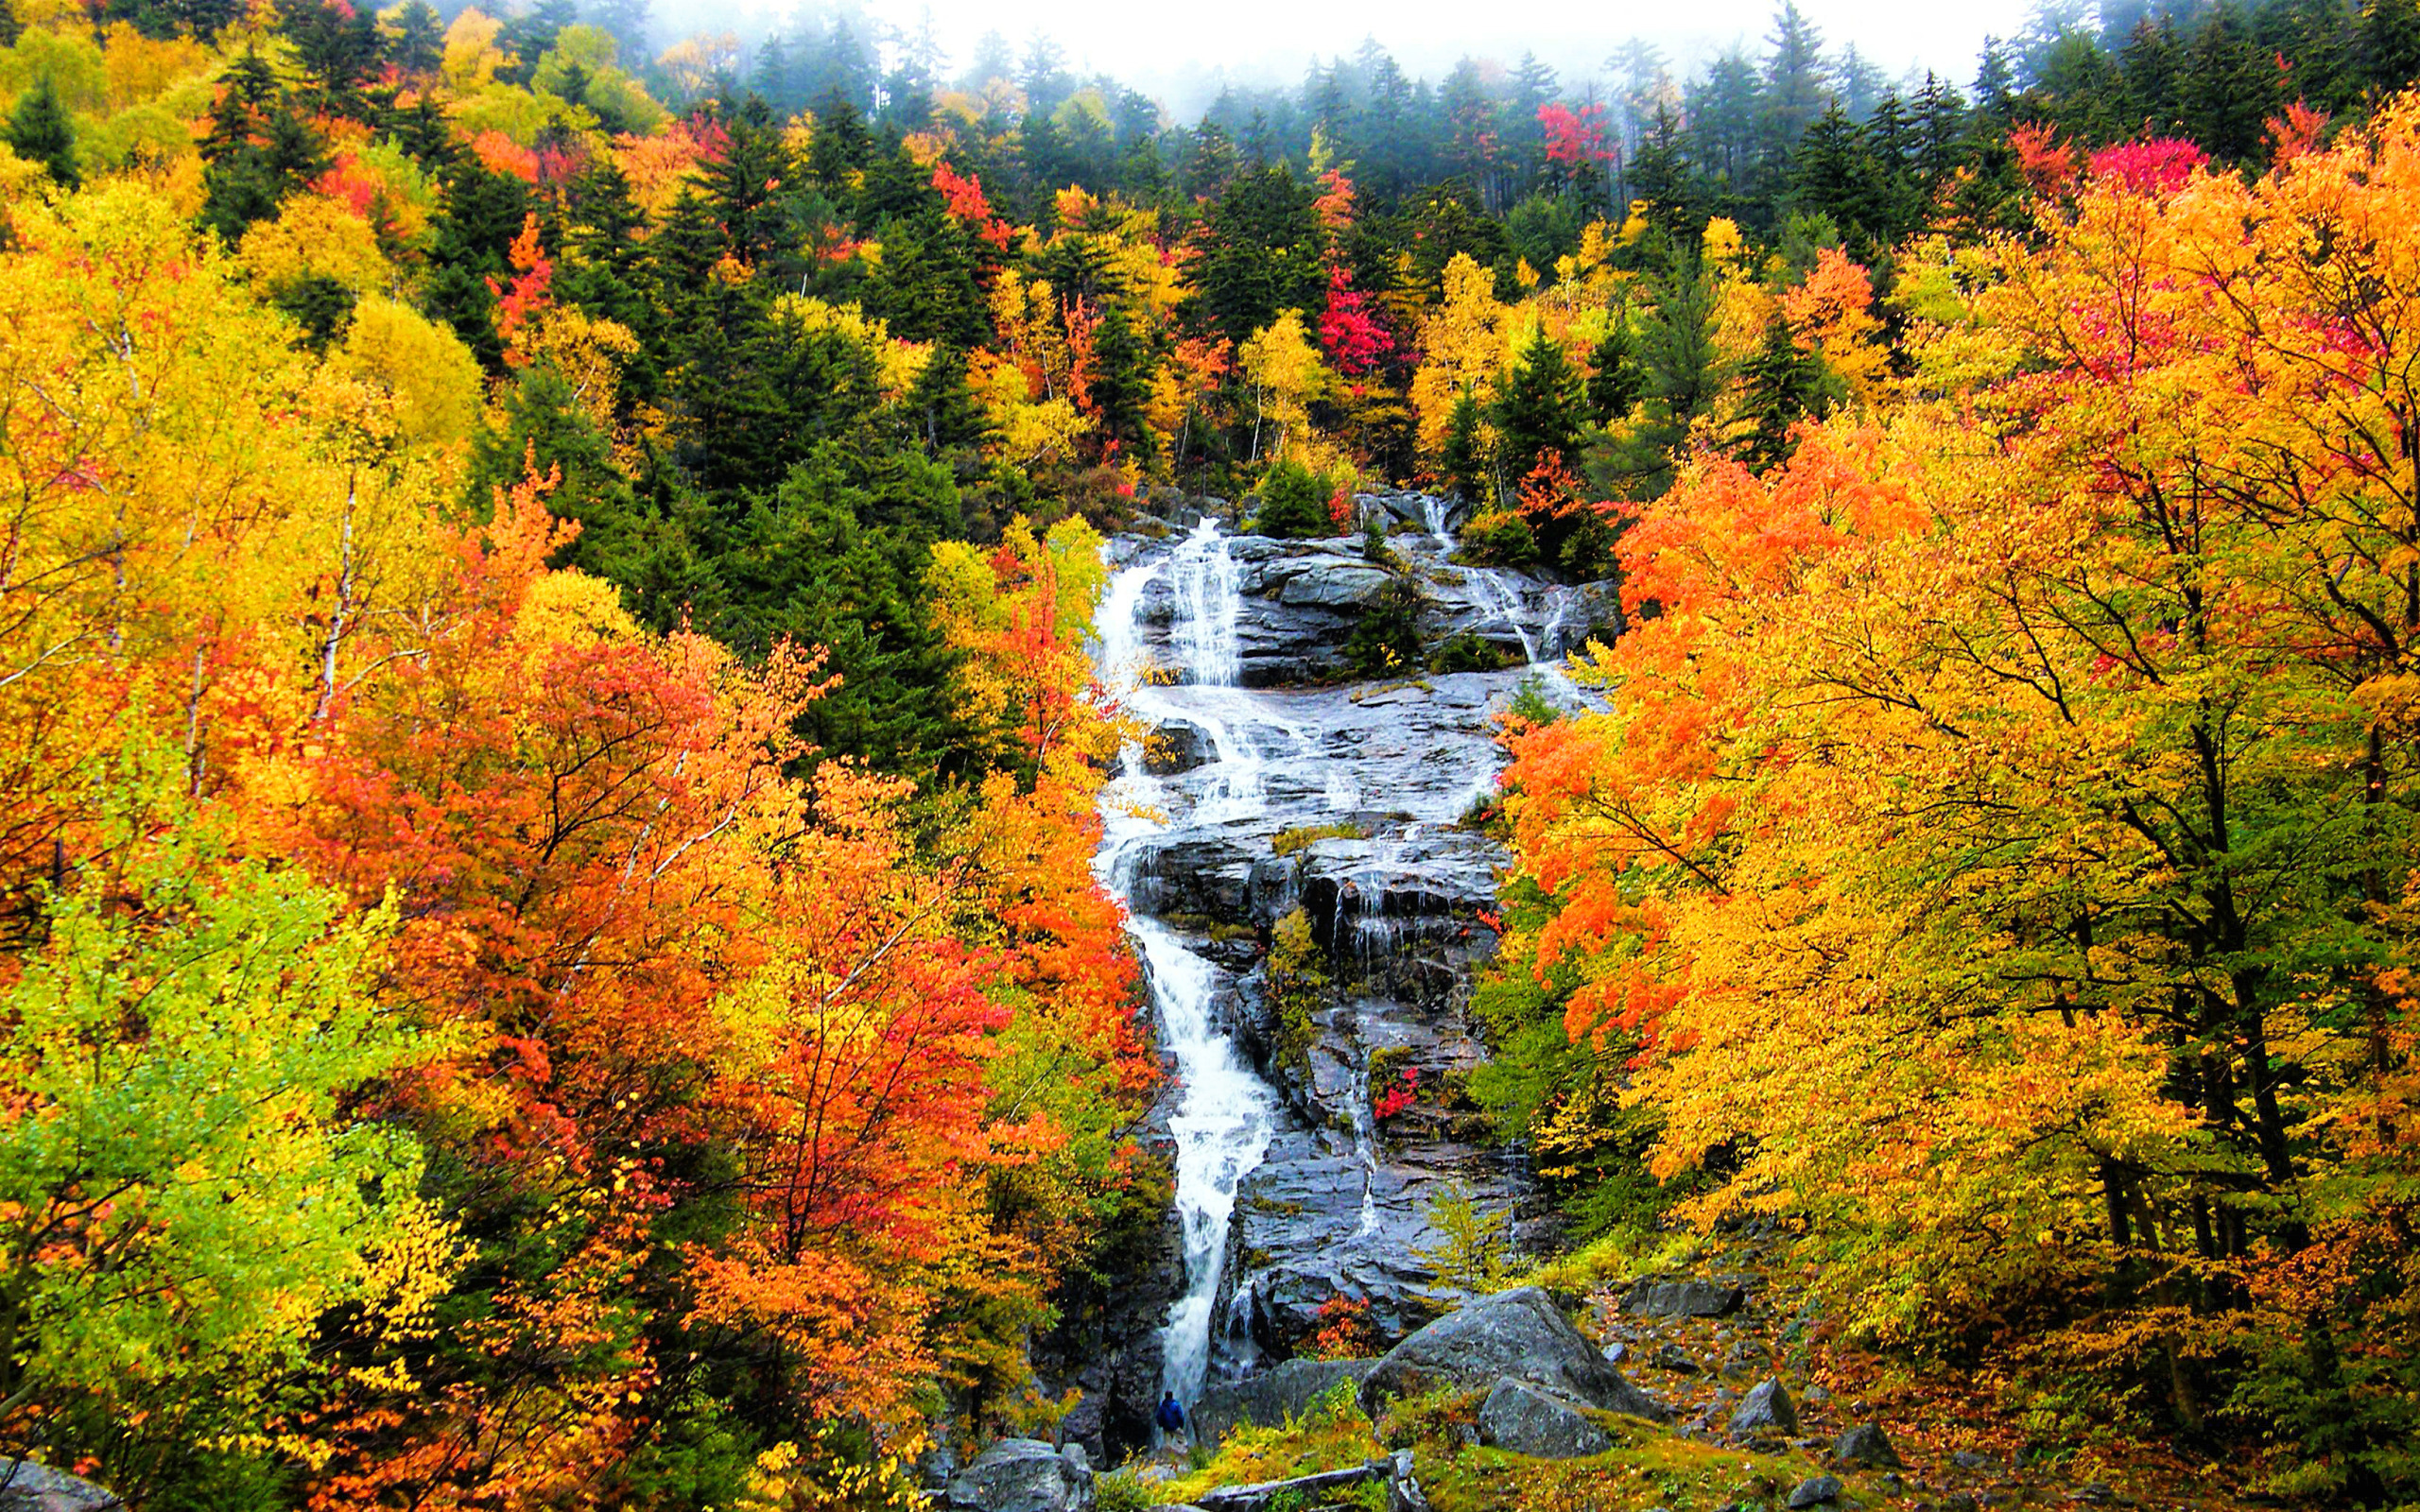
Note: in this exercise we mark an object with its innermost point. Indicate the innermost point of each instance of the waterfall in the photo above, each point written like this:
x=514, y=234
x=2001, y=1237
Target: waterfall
x=1225, y=1115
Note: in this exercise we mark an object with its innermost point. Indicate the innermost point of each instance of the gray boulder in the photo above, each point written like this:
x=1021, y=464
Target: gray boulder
x=1023, y=1475
x=1270, y=1397
x=1766, y=1412
x=1332, y=585
x=1528, y=1422
x=26, y=1487
x=1815, y=1492
x=1683, y=1298
x=1516, y=1334
x=1865, y=1447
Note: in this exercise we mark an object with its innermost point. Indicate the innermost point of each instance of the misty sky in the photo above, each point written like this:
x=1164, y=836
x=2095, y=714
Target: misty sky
x=1167, y=48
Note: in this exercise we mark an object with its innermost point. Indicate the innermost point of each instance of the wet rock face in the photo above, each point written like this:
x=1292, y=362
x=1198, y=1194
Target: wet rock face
x=1261, y=747
x=1286, y=1390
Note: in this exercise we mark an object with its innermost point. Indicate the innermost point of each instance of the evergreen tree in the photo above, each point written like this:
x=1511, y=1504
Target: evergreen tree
x=2390, y=43
x=1785, y=384
x=1540, y=409
x=39, y=133
x=1257, y=253
x=1463, y=468
x=419, y=44
x=1794, y=93
x=1614, y=382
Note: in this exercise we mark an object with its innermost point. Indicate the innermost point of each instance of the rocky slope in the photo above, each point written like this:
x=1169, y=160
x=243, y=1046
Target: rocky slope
x=1292, y=1192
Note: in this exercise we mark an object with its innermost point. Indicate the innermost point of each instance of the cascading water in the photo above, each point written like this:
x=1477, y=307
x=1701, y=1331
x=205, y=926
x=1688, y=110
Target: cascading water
x=1295, y=1155
x=1224, y=1114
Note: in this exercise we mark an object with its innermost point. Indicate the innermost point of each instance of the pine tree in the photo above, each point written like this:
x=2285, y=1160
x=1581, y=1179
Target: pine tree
x=39, y=133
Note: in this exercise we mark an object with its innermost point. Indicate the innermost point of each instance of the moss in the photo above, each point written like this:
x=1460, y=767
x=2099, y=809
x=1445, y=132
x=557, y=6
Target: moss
x=1303, y=836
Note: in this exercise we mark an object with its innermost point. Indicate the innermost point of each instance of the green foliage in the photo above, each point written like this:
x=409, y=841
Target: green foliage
x=1541, y=408
x=1386, y=641
x=1122, y=1491
x=1472, y=1252
x=1304, y=835
x=1294, y=502
x=1497, y=538
x=1468, y=652
x=38, y=131
x=1462, y=468
x=1298, y=984
x=182, y=1190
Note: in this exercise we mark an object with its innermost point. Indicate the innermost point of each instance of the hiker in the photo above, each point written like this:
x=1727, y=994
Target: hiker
x=1171, y=1417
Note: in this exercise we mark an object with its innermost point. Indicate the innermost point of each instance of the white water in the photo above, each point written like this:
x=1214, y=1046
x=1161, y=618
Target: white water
x=1224, y=1114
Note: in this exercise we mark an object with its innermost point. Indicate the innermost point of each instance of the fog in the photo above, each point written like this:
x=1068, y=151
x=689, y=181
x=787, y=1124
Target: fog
x=1181, y=54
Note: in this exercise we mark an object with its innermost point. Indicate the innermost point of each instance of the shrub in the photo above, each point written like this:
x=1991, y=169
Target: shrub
x=1295, y=504
x=1468, y=652
x=1497, y=537
x=1386, y=642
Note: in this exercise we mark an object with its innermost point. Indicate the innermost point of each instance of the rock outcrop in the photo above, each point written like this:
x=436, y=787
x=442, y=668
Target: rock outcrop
x=1023, y=1475
x=1517, y=1335
x=1525, y=1420
x=26, y=1487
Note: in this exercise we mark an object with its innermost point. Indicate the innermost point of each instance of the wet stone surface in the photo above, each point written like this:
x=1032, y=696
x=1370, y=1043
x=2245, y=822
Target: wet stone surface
x=1292, y=1192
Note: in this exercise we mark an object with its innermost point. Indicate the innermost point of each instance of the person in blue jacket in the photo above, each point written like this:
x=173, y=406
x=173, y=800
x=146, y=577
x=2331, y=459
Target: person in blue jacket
x=1171, y=1417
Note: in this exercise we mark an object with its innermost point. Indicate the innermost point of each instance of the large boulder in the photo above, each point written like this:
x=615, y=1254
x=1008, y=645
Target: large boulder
x=1516, y=1334
x=1529, y=1422
x=1682, y=1298
x=26, y=1487
x=1023, y=1475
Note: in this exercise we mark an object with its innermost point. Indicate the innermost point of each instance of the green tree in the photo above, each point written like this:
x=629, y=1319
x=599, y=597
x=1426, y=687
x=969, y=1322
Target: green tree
x=39, y=133
x=1540, y=408
x=182, y=1189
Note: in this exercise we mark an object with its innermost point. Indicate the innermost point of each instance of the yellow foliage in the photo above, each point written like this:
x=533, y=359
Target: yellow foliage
x=1463, y=340
x=1286, y=374
x=899, y=362
x=430, y=378
x=313, y=236
x=142, y=68
x=472, y=56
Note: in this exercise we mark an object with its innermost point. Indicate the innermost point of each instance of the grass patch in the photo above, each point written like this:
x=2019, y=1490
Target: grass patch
x=1647, y=1467
x=1331, y=1433
x=1306, y=835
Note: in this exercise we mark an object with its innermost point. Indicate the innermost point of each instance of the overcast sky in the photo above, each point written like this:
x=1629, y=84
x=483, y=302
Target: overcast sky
x=1166, y=47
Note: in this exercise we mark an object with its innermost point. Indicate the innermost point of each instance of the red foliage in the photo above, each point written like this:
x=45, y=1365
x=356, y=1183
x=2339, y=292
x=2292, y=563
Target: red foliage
x=499, y=153
x=1400, y=1096
x=2159, y=166
x=1349, y=333
x=516, y=302
x=1574, y=137
x=2048, y=165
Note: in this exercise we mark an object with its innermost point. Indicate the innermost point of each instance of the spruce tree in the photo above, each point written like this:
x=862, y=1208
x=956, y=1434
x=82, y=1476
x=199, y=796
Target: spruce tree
x=1614, y=382
x=1539, y=410
x=1784, y=386
x=1462, y=466
x=39, y=133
